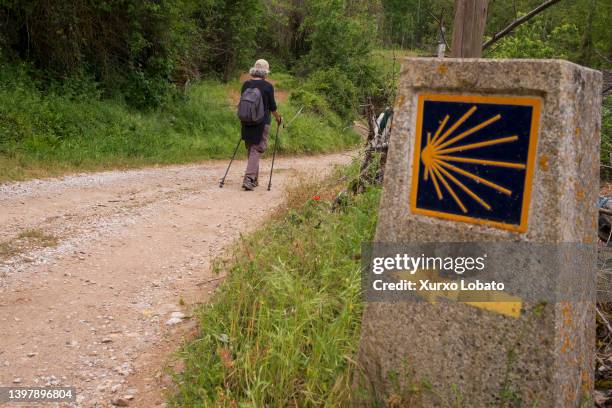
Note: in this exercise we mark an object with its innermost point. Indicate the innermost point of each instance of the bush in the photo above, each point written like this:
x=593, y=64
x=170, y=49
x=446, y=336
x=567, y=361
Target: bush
x=229, y=28
x=339, y=64
x=111, y=41
x=143, y=91
x=311, y=101
x=377, y=77
x=132, y=48
x=337, y=38
x=336, y=88
x=533, y=40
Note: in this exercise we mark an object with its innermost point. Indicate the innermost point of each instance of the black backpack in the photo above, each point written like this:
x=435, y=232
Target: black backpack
x=251, y=107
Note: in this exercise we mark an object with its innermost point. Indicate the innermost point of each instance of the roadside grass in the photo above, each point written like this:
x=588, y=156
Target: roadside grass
x=38, y=237
x=390, y=53
x=6, y=250
x=283, y=328
x=45, y=133
x=26, y=240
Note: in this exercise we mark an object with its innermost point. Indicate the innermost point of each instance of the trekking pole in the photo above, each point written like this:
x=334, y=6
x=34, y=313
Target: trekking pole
x=276, y=144
x=294, y=117
x=273, y=156
x=222, y=182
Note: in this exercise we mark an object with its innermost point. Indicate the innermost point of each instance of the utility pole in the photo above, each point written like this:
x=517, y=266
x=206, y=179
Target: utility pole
x=468, y=28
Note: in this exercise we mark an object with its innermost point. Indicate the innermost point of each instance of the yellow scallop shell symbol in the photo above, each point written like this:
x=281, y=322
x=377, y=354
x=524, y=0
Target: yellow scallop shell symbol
x=438, y=153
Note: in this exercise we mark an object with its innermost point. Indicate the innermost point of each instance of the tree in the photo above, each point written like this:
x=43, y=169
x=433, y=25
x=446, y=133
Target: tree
x=468, y=28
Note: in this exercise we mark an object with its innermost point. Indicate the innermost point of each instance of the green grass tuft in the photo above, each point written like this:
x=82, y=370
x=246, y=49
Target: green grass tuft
x=27, y=240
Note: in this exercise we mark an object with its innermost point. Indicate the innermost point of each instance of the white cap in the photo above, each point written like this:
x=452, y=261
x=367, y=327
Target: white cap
x=261, y=66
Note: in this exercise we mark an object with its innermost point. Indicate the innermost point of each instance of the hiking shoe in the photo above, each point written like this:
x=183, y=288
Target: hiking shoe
x=247, y=184
x=255, y=183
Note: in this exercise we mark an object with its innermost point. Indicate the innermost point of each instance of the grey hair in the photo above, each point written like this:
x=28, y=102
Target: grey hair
x=258, y=73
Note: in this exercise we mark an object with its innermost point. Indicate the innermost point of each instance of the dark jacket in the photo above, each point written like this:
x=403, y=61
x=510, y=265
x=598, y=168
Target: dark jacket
x=252, y=134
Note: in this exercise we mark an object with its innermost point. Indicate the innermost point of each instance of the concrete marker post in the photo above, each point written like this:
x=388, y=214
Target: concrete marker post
x=430, y=354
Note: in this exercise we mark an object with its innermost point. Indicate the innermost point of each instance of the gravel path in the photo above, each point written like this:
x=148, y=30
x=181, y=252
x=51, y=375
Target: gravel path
x=98, y=272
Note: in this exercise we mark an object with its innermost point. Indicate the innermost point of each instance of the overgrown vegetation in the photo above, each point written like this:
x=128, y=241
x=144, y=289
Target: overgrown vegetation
x=577, y=30
x=283, y=328
x=134, y=60
x=142, y=51
x=88, y=85
x=44, y=133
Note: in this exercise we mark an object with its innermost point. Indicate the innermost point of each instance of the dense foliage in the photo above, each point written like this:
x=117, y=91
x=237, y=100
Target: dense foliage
x=146, y=54
x=141, y=50
x=577, y=30
x=87, y=84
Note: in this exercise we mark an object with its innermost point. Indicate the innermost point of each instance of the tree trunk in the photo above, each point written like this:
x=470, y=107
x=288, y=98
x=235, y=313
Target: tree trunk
x=468, y=28
x=587, y=38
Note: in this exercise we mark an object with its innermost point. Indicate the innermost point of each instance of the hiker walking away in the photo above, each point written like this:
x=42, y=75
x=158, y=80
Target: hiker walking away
x=256, y=104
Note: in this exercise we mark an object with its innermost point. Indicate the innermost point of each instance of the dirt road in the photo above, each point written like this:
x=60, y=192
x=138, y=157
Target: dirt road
x=98, y=271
